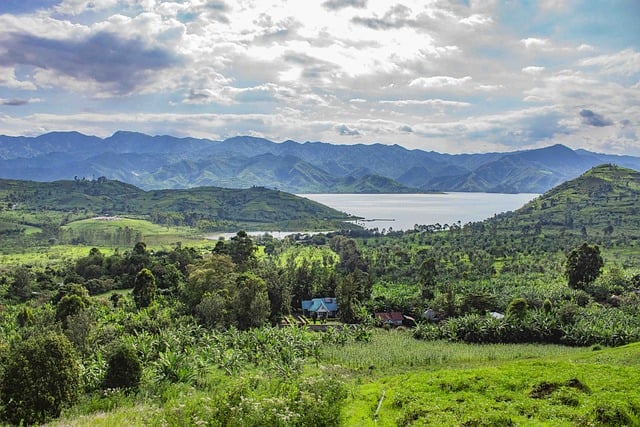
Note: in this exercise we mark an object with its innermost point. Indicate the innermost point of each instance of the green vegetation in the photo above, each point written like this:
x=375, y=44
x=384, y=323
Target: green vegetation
x=497, y=328
x=586, y=388
x=40, y=377
x=82, y=211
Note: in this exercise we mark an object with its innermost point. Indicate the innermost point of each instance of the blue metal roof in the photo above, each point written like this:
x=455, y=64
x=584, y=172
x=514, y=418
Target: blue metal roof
x=320, y=304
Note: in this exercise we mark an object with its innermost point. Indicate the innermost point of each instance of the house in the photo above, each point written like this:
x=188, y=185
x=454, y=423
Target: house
x=393, y=318
x=320, y=308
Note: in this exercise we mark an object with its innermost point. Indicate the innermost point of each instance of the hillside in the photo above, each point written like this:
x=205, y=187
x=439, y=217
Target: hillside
x=25, y=204
x=603, y=201
x=158, y=162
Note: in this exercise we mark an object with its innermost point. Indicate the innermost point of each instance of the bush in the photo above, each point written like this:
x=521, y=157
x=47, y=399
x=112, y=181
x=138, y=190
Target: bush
x=69, y=305
x=124, y=369
x=42, y=375
x=25, y=317
x=517, y=308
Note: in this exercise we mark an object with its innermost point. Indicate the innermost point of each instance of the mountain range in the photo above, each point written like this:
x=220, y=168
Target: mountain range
x=161, y=162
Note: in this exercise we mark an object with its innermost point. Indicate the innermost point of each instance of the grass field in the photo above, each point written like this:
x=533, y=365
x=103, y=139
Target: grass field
x=445, y=384
x=426, y=384
x=50, y=255
x=152, y=234
x=156, y=237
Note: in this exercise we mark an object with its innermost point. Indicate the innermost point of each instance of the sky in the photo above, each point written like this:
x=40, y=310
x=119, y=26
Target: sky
x=451, y=76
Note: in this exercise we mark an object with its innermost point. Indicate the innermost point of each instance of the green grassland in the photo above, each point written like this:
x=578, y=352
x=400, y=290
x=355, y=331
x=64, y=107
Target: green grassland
x=104, y=232
x=505, y=386
x=603, y=201
x=438, y=383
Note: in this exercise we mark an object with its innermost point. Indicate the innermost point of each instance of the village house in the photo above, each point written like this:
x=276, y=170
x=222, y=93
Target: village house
x=393, y=318
x=320, y=308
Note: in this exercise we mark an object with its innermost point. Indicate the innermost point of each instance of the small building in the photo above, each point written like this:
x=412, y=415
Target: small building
x=393, y=318
x=320, y=308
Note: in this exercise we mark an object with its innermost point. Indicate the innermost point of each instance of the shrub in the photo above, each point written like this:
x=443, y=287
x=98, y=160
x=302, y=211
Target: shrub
x=124, y=369
x=613, y=414
x=25, y=317
x=69, y=305
x=517, y=308
x=42, y=375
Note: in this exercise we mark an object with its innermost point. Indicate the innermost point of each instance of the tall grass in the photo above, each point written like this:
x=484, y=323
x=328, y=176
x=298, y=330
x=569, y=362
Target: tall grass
x=397, y=350
x=564, y=388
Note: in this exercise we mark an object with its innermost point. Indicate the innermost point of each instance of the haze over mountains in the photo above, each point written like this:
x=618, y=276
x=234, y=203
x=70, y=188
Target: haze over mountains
x=160, y=162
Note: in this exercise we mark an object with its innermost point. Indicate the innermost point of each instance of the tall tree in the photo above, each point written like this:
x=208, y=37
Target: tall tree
x=428, y=274
x=583, y=266
x=242, y=250
x=252, y=304
x=144, y=288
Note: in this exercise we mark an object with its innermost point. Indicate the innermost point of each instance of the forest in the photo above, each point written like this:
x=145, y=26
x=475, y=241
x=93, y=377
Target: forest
x=527, y=318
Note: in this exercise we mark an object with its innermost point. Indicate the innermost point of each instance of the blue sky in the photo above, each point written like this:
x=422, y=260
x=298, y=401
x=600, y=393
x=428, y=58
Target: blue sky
x=451, y=76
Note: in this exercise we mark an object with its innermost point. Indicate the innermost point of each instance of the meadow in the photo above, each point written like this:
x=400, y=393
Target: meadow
x=394, y=380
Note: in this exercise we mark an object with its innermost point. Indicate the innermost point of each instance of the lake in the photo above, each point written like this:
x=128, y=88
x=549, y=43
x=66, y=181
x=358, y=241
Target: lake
x=403, y=211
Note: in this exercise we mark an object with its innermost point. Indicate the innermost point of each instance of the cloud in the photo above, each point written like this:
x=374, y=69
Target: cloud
x=439, y=81
x=396, y=17
x=458, y=74
x=117, y=63
x=625, y=62
x=533, y=42
x=427, y=102
x=344, y=130
x=8, y=79
x=533, y=70
x=76, y=7
x=594, y=119
x=341, y=4
x=16, y=102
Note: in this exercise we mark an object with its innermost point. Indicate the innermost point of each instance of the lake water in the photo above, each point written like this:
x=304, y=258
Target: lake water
x=403, y=211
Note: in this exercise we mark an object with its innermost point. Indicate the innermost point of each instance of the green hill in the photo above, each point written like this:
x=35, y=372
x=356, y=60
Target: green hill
x=28, y=207
x=604, y=201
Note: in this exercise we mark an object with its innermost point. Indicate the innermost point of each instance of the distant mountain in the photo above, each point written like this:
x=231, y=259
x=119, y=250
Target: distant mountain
x=156, y=162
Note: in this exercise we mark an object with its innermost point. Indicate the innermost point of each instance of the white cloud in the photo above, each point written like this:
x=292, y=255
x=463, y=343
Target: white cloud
x=8, y=79
x=533, y=42
x=476, y=20
x=427, y=102
x=626, y=62
x=533, y=70
x=439, y=81
x=76, y=7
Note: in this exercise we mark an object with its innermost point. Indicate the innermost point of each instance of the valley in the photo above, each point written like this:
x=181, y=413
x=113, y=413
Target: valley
x=528, y=317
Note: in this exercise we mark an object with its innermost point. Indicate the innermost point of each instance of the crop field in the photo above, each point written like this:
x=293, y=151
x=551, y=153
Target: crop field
x=396, y=351
x=124, y=230
x=49, y=255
